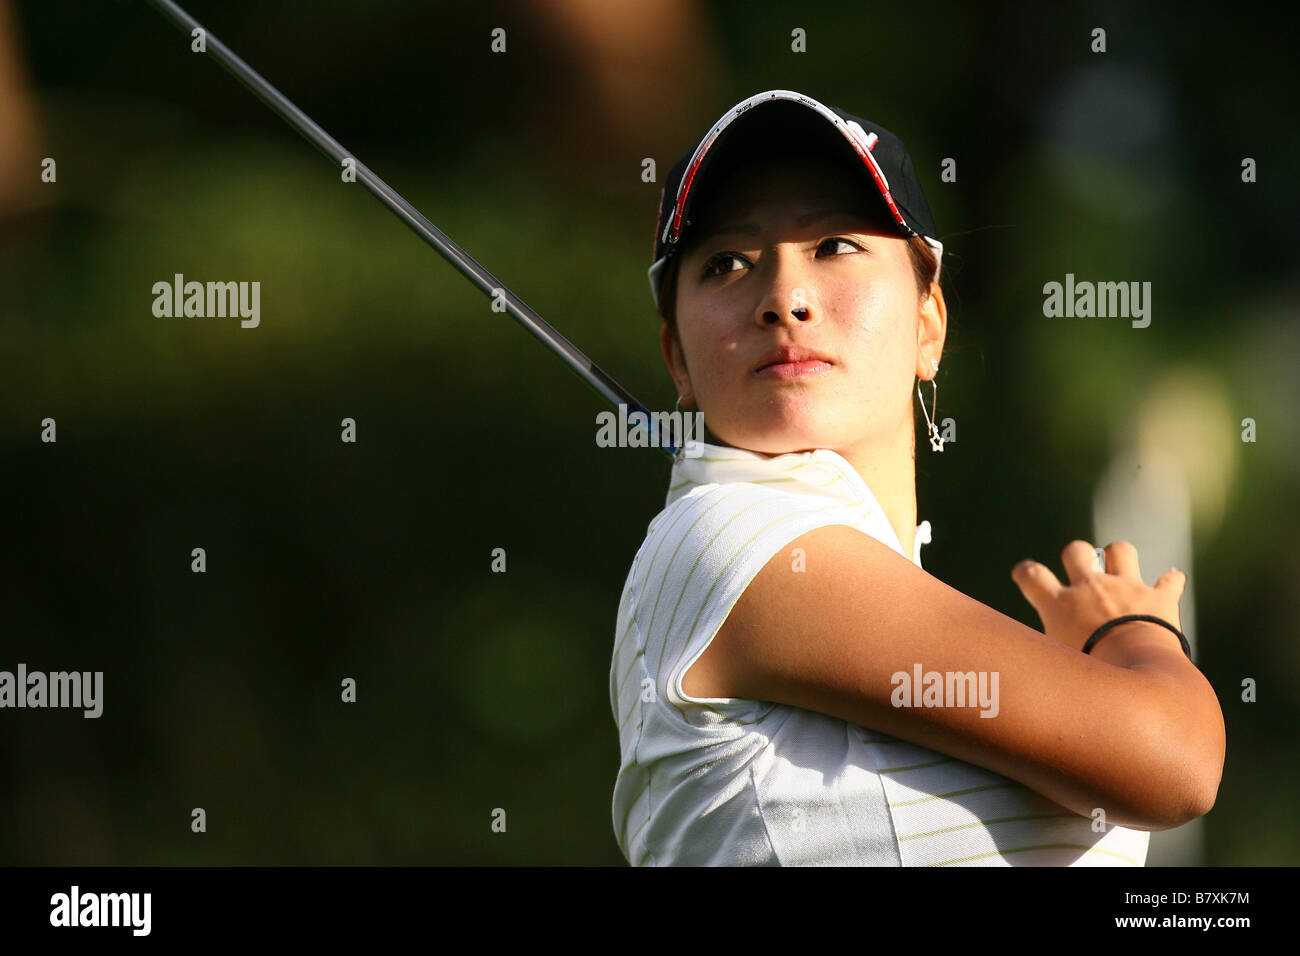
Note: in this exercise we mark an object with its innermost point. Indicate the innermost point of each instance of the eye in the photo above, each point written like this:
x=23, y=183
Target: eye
x=720, y=258
x=723, y=257
x=846, y=242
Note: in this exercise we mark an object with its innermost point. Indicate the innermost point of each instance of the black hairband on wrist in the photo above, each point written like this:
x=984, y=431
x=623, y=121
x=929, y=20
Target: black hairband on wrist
x=1096, y=635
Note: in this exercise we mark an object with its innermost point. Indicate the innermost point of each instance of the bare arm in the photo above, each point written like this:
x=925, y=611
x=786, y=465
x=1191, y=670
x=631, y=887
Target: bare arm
x=1133, y=728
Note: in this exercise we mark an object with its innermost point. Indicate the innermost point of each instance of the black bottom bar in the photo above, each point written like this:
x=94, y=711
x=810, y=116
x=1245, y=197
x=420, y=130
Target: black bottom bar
x=920, y=906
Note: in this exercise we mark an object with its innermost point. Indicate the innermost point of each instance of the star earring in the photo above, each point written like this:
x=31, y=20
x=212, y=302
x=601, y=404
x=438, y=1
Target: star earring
x=936, y=441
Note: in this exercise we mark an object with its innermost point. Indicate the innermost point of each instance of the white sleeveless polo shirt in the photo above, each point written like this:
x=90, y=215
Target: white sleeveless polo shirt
x=727, y=781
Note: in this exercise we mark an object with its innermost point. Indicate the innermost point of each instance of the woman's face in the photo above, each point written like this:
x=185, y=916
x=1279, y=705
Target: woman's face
x=808, y=235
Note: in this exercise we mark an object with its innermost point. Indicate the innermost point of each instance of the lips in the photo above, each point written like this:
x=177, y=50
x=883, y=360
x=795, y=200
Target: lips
x=792, y=355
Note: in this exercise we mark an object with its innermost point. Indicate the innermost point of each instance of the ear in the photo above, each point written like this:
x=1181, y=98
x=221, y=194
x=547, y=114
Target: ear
x=675, y=361
x=931, y=329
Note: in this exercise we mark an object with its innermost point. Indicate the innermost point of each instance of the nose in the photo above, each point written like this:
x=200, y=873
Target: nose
x=787, y=298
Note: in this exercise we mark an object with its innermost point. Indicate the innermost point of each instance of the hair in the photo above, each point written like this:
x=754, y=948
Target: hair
x=922, y=255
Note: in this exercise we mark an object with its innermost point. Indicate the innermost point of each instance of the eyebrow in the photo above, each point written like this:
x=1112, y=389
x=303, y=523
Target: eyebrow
x=752, y=229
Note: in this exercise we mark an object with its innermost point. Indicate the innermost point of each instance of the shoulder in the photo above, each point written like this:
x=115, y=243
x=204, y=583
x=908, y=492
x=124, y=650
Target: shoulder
x=734, y=520
x=703, y=550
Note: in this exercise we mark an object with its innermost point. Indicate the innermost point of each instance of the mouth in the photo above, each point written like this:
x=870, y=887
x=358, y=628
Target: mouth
x=791, y=363
x=787, y=371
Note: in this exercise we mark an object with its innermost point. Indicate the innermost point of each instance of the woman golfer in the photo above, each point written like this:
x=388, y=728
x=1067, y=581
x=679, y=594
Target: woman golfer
x=790, y=687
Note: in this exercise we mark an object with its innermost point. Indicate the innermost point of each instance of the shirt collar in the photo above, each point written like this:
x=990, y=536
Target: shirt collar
x=821, y=472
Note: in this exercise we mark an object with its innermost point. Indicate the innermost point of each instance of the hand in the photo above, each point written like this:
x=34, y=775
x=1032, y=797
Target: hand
x=1093, y=597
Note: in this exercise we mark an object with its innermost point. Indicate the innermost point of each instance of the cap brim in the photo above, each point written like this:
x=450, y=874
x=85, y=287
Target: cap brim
x=746, y=123
x=655, y=273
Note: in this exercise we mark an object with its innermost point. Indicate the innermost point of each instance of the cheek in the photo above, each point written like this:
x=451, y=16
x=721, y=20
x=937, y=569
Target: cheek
x=867, y=310
x=717, y=339
x=709, y=345
x=868, y=302
x=877, y=323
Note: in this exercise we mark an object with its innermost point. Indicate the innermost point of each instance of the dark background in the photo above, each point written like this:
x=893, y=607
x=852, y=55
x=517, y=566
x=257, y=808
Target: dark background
x=371, y=560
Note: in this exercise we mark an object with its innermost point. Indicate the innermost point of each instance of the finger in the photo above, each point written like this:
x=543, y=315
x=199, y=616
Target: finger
x=1080, y=560
x=1122, y=560
x=1175, y=580
x=1036, y=582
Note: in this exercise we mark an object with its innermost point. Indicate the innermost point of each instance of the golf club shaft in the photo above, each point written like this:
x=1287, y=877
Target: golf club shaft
x=588, y=370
